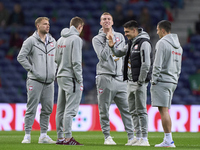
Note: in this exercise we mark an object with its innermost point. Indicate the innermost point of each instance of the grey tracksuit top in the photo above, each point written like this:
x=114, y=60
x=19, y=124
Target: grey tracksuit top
x=69, y=54
x=108, y=63
x=146, y=62
x=38, y=58
x=168, y=58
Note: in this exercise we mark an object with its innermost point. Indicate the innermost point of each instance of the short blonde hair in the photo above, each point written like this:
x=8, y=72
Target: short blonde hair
x=38, y=20
x=106, y=13
x=76, y=21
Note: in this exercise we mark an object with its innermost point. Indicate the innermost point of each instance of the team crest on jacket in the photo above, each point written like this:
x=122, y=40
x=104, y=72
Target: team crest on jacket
x=81, y=88
x=117, y=39
x=100, y=91
x=136, y=46
x=51, y=44
x=30, y=88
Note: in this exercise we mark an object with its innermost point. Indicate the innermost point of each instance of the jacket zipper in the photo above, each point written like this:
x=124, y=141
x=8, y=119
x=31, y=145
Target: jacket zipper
x=46, y=64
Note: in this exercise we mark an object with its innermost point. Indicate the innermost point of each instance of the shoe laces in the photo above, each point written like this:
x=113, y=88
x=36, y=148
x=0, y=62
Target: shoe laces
x=110, y=137
x=27, y=137
x=48, y=137
x=163, y=143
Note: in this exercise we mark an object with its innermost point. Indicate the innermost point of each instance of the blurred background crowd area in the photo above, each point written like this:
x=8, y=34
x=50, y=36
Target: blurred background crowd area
x=17, y=23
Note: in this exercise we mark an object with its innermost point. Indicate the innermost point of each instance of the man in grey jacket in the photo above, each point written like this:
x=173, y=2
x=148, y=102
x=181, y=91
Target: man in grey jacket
x=137, y=70
x=37, y=57
x=109, y=79
x=165, y=75
x=69, y=76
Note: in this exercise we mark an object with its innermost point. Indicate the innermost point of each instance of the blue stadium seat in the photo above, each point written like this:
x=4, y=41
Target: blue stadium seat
x=78, y=6
x=195, y=39
x=177, y=100
x=156, y=16
x=85, y=14
x=189, y=99
x=4, y=98
x=13, y=75
x=183, y=92
x=93, y=6
x=2, y=54
x=148, y=99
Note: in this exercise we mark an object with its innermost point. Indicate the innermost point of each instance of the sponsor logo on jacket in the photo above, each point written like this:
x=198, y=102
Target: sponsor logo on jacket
x=176, y=53
x=61, y=46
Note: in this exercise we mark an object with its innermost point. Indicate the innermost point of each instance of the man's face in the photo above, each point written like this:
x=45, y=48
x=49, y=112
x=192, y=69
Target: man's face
x=44, y=26
x=159, y=32
x=130, y=33
x=106, y=21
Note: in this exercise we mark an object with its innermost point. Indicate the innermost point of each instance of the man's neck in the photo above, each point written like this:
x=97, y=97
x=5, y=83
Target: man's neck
x=42, y=36
x=107, y=30
x=166, y=34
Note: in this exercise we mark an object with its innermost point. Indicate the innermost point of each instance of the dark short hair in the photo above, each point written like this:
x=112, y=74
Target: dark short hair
x=76, y=21
x=166, y=25
x=131, y=24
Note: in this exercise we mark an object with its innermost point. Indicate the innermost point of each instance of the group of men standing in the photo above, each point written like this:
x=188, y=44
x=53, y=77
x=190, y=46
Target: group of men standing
x=123, y=73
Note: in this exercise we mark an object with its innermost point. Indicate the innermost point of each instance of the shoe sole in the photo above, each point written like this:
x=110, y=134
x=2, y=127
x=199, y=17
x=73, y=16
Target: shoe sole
x=110, y=144
x=26, y=142
x=141, y=145
x=165, y=146
x=45, y=143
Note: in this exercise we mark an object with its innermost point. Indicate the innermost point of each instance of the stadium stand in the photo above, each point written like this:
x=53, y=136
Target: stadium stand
x=13, y=76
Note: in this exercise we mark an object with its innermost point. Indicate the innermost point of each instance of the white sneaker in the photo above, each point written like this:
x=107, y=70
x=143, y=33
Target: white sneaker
x=27, y=139
x=133, y=141
x=46, y=139
x=165, y=144
x=109, y=141
x=141, y=142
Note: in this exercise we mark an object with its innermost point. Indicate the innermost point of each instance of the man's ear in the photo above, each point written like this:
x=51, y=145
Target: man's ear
x=112, y=23
x=37, y=25
x=79, y=26
x=163, y=31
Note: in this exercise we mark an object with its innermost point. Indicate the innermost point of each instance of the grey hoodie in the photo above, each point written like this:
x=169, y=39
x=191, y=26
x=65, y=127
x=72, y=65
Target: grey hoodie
x=145, y=64
x=108, y=63
x=168, y=58
x=69, y=54
x=38, y=58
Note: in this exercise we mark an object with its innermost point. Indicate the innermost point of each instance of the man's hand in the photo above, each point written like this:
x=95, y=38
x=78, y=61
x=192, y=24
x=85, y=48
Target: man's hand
x=109, y=36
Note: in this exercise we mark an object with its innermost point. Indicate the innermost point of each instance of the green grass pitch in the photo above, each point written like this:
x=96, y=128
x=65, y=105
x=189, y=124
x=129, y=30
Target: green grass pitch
x=93, y=140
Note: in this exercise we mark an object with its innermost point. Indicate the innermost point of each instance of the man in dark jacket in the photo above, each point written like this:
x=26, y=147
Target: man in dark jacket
x=137, y=70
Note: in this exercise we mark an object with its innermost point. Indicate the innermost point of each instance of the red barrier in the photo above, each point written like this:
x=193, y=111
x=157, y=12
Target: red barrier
x=185, y=118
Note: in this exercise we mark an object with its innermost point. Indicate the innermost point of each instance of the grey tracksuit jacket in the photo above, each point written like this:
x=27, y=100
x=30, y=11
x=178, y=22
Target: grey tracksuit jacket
x=108, y=63
x=168, y=58
x=36, y=58
x=110, y=81
x=71, y=64
x=137, y=94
